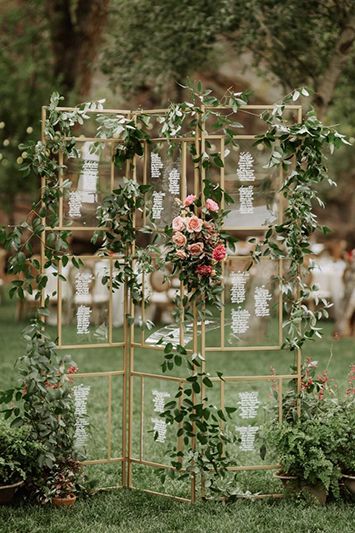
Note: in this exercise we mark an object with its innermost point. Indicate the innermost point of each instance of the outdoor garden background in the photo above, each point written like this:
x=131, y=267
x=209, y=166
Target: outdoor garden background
x=140, y=55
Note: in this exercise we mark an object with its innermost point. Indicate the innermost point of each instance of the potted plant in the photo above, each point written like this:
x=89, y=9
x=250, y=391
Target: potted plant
x=62, y=483
x=44, y=401
x=306, y=451
x=18, y=457
x=308, y=447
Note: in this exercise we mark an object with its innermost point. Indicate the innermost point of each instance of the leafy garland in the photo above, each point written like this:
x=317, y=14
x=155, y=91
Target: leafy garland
x=299, y=149
x=304, y=143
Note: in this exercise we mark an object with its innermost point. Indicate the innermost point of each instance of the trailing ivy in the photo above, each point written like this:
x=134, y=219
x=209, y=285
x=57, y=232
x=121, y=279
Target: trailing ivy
x=203, y=440
x=299, y=150
x=117, y=215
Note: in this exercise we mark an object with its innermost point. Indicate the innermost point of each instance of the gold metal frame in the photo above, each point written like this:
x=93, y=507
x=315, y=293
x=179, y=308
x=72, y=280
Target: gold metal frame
x=128, y=372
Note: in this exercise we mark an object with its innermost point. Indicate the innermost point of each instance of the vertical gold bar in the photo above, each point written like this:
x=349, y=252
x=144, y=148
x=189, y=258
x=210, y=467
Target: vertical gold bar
x=109, y=417
x=221, y=399
x=145, y=175
x=183, y=192
x=203, y=388
x=126, y=416
x=112, y=167
x=59, y=304
x=182, y=316
x=203, y=325
x=61, y=190
x=197, y=165
x=193, y=439
x=299, y=378
x=61, y=223
x=180, y=443
x=141, y=443
x=143, y=308
x=222, y=170
x=183, y=169
x=299, y=351
x=279, y=398
x=222, y=314
x=110, y=302
x=203, y=150
x=280, y=313
x=130, y=339
x=43, y=232
x=125, y=451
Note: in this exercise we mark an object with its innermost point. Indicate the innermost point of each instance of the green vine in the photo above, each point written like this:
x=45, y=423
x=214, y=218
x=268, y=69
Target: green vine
x=300, y=150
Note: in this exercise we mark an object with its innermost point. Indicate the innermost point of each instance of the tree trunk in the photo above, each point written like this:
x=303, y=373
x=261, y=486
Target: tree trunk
x=327, y=85
x=76, y=33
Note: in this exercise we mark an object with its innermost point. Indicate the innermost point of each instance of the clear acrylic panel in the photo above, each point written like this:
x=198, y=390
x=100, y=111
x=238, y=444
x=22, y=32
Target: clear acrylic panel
x=84, y=314
x=92, y=177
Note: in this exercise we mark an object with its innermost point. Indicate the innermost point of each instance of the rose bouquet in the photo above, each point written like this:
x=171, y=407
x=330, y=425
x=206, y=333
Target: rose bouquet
x=197, y=247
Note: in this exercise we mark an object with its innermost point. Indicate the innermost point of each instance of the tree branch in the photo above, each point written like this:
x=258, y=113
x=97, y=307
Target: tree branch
x=342, y=51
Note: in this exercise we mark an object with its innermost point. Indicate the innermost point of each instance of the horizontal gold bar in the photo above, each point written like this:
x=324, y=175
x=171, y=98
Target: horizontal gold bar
x=256, y=106
x=148, y=346
x=165, y=110
x=256, y=378
x=153, y=346
x=175, y=139
x=242, y=348
x=82, y=138
x=93, y=345
x=121, y=111
x=245, y=228
x=102, y=461
x=98, y=374
x=156, y=376
x=144, y=462
x=76, y=228
x=220, y=137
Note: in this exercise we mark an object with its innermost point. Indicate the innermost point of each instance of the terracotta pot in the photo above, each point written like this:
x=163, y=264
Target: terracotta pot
x=349, y=482
x=60, y=502
x=318, y=493
x=290, y=483
x=7, y=492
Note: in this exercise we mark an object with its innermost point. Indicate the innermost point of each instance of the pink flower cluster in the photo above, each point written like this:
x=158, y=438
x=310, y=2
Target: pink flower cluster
x=197, y=239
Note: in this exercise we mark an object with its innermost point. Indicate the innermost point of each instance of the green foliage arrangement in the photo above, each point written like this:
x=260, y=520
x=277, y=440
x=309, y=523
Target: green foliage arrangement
x=18, y=453
x=43, y=404
x=316, y=446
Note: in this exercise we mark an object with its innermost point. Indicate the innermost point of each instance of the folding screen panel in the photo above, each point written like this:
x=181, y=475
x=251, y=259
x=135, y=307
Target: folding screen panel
x=120, y=389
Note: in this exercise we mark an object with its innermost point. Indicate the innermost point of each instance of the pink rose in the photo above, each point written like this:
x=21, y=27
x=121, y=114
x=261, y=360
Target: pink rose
x=189, y=200
x=196, y=248
x=178, y=224
x=212, y=205
x=179, y=239
x=204, y=270
x=181, y=254
x=219, y=253
x=194, y=224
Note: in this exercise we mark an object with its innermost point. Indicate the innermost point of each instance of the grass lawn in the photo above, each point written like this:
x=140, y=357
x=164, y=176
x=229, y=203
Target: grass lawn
x=133, y=511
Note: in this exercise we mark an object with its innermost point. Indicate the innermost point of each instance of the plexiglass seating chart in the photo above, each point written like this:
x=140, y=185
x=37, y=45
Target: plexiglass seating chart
x=120, y=389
